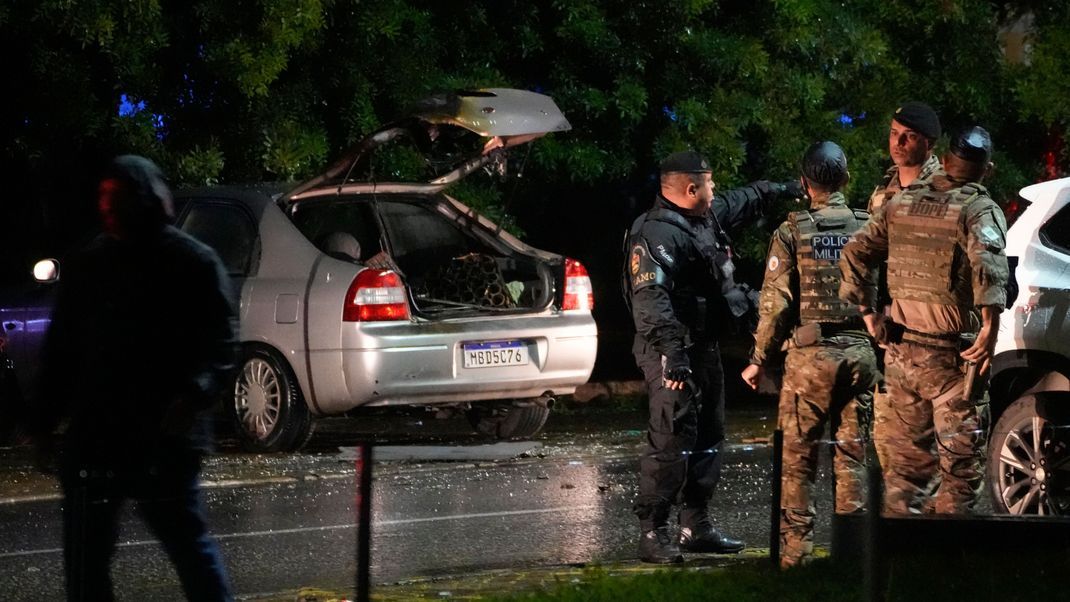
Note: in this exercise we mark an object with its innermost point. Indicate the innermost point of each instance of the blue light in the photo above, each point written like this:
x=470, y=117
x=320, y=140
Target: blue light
x=671, y=114
x=846, y=120
x=159, y=124
x=127, y=108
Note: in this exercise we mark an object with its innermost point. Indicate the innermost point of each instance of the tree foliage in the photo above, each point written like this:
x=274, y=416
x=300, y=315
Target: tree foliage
x=244, y=90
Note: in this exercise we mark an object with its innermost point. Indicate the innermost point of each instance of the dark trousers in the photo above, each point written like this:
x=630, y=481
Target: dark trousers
x=167, y=496
x=682, y=459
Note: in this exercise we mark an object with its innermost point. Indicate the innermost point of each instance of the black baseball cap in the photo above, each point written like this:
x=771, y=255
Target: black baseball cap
x=919, y=117
x=973, y=144
x=685, y=162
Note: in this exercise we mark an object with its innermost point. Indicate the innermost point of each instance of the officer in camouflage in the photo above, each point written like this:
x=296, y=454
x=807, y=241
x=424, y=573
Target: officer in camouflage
x=830, y=368
x=947, y=273
x=911, y=138
x=678, y=280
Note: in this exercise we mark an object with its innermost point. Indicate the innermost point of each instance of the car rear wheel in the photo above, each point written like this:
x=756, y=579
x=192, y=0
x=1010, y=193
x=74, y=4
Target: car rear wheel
x=268, y=410
x=1029, y=462
x=508, y=421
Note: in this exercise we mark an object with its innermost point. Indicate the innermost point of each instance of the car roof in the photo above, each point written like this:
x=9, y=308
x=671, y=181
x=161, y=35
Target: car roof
x=1044, y=193
x=254, y=195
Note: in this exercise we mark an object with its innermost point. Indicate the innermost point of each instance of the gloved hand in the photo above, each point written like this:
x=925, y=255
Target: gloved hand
x=792, y=189
x=675, y=377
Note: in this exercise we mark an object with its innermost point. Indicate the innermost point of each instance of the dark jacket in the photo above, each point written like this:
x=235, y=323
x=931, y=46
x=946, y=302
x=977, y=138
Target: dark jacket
x=141, y=342
x=679, y=267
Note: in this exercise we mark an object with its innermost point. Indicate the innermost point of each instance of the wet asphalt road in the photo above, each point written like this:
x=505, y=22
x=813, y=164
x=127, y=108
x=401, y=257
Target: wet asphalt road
x=572, y=505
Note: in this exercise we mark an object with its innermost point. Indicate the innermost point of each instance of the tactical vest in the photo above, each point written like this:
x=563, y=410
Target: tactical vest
x=882, y=194
x=925, y=260
x=819, y=239
x=697, y=285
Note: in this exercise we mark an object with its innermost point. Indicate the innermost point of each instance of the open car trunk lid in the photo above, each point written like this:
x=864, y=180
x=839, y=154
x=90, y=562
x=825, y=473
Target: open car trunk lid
x=454, y=262
x=508, y=117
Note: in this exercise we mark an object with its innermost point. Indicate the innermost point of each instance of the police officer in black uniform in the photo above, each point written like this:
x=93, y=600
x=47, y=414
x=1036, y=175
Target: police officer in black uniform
x=679, y=282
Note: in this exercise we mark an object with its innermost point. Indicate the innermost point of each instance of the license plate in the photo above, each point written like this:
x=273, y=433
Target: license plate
x=493, y=354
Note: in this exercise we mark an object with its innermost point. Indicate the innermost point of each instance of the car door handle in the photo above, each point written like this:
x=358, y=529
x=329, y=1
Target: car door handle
x=13, y=326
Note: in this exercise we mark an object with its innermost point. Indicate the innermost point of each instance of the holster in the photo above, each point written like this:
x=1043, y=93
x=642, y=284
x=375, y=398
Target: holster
x=806, y=335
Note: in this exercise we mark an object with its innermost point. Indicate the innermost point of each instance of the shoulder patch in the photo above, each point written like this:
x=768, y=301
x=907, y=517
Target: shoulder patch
x=636, y=260
x=774, y=263
x=644, y=270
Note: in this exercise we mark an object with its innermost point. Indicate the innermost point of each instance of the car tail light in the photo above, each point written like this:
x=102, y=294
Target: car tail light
x=579, y=295
x=376, y=296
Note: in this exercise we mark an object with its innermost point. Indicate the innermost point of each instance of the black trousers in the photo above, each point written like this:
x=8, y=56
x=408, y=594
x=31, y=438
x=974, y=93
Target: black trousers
x=165, y=489
x=681, y=463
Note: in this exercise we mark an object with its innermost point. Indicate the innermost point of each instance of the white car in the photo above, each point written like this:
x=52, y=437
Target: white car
x=1029, y=450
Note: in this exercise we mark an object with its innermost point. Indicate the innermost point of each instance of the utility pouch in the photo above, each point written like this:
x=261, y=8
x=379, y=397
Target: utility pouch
x=806, y=335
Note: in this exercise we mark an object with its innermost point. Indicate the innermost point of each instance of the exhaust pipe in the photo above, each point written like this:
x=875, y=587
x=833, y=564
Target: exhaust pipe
x=545, y=400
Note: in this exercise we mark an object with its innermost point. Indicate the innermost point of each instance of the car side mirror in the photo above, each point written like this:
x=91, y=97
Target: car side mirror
x=46, y=271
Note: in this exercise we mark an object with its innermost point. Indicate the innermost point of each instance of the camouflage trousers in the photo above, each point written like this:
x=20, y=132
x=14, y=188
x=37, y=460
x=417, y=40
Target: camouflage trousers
x=928, y=438
x=826, y=384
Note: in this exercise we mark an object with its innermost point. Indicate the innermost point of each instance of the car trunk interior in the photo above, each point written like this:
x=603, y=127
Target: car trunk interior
x=452, y=266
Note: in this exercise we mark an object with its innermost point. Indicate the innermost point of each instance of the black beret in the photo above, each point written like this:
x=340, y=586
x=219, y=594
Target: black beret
x=919, y=117
x=686, y=162
x=825, y=164
x=973, y=144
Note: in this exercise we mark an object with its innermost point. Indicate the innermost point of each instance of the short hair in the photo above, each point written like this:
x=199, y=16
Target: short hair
x=680, y=179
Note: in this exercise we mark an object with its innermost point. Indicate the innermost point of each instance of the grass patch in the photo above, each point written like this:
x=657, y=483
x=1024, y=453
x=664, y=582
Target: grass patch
x=973, y=577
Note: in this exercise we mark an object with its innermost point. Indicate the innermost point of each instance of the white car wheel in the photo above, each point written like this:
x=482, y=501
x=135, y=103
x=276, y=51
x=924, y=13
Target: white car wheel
x=1029, y=462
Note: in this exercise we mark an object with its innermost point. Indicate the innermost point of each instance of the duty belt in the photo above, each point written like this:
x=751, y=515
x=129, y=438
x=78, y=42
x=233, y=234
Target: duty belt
x=943, y=340
x=831, y=329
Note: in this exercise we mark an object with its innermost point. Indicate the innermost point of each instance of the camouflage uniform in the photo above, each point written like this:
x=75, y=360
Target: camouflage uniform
x=889, y=186
x=944, y=246
x=828, y=378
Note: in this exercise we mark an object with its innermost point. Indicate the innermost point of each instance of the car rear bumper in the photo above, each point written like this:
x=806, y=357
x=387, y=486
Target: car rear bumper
x=422, y=363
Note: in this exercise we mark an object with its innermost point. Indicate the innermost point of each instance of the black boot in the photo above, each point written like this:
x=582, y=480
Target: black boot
x=703, y=538
x=658, y=547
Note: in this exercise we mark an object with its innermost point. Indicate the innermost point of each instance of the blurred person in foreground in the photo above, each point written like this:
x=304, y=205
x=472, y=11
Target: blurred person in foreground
x=142, y=339
x=944, y=241
x=830, y=368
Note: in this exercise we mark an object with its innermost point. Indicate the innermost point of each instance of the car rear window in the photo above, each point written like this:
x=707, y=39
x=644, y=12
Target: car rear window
x=318, y=221
x=1056, y=232
x=420, y=235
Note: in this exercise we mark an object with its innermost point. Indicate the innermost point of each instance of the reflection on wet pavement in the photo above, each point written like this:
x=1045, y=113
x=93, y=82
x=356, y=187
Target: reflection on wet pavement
x=566, y=502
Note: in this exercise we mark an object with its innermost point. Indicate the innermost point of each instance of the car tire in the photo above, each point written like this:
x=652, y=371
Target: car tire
x=508, y=421
x=1029, y=462
x=266, y=408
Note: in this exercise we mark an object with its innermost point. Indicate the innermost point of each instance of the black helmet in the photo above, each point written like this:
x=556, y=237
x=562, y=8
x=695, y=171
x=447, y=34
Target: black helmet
x=825, y=164
x=973, y=144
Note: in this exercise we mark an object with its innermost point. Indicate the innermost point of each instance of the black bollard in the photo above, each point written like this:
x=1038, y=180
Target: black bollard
x=774, y=512
x=364, y=521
